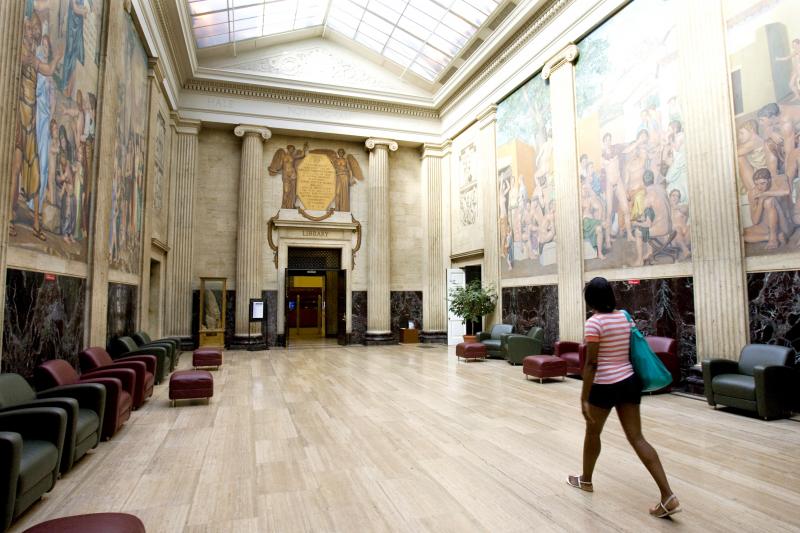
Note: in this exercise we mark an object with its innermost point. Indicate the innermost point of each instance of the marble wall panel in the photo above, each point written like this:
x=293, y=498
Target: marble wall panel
x=663, y=307
x=775, y=308
x=44, y=319
x=405, y=306
x=526, y=307
x=359, y=317
x=121, y=312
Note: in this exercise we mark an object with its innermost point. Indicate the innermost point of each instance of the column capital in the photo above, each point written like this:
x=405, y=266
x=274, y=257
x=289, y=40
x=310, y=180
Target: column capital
x=155, y=69
x=372, y=142
x=568, y=54
x=243, y=130
x=435, y=150
x=185, y=126
x=487, y=116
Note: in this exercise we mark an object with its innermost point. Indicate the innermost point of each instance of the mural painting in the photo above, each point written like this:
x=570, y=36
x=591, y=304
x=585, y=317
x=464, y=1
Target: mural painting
x=468, y=185
x=632, y=157
x=763, y=42
x=55, y=127
x=525, y=177
x=315, y=180
x=158, y=181
x=127, y=189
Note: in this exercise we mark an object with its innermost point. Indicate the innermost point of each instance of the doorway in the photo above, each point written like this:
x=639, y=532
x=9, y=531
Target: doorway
x=154, y=305
x=473, y=273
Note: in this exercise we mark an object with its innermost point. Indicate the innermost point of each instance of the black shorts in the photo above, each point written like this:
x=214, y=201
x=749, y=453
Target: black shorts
x=629, y=390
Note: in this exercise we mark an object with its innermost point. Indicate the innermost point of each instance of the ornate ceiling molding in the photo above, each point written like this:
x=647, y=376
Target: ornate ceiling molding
x=303, y=97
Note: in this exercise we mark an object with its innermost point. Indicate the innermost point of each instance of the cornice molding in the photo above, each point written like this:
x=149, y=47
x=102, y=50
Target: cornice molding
x=436, y=151
x=372, y=142
x=160, y=245
x=487, y=116
x=156, y=69
x=566, y=55
x=185, y=126
x=309, y=98
x=244, y=130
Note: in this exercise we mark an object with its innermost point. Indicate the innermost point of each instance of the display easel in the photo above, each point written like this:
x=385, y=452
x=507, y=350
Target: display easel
x=213, y=295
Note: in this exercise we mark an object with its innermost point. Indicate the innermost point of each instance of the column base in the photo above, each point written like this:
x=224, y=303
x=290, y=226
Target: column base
x=379, y=338
x=245, y=342
x=433, y=337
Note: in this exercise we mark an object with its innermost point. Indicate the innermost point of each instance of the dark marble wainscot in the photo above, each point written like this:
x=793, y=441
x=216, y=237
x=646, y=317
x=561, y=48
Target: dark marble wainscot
x=663, y=307
x=529, y=306
x=269, y=328
x=358, y=311
x=405, y=306
x=121, y=313
x=44, y=319
x=775, y=308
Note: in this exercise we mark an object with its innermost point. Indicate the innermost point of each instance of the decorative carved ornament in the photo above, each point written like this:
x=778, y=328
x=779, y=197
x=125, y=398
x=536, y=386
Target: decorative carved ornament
x=372, y=142
x=272, y=245
x=566, y=55
x=328, y=214
x=357, y=247
x=245, y=129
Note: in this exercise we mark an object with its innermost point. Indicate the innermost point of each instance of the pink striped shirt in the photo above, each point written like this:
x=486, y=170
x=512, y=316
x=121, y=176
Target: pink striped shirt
x=613, y=332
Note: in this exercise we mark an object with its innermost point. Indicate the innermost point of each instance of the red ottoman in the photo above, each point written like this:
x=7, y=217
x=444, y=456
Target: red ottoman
x=471, y=350
x=190, y=385
x=91, y=523
x=207, y=357
x=544, y=366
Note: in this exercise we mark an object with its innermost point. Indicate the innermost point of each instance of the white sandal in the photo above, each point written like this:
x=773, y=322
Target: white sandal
x=578, y=483
x=661, y=511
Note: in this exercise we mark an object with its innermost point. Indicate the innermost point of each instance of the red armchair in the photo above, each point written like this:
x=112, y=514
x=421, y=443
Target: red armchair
x=573, y=353
x=96, y=359
x=119, y=384
x=667, y=350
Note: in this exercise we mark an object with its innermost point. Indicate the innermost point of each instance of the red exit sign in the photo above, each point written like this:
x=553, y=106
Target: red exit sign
x=49, y=277
x=634, y=281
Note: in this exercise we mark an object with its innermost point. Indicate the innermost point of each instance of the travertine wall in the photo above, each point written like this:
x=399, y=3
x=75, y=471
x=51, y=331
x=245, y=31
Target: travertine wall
x=216, y=202
x=406, y=219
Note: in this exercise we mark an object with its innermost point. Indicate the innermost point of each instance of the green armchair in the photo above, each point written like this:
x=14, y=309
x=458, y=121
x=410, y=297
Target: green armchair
x=126, y=346
x=492, y=340
x=173, y=345
x=517, y=347
x=31, y=444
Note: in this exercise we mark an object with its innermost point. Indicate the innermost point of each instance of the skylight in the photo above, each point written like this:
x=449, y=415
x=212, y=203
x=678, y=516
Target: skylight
x=420, y=35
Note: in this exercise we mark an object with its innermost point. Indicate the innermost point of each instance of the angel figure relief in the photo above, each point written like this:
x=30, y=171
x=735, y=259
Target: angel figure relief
x=285, y=162
x=348, y=172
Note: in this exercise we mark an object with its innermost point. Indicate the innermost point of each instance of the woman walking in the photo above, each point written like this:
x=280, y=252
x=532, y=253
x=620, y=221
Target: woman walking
x=609, y=381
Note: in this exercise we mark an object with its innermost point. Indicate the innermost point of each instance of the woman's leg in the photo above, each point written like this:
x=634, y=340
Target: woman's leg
x=591, y=441
x=632, y=425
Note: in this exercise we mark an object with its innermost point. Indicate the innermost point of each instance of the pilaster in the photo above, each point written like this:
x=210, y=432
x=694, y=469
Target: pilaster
x=249, y=236
x=434, y=300
x=490, y=272
x=560, y=71
x=378, y=294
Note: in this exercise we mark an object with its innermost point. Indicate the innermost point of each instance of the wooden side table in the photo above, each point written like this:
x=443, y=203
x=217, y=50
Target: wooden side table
x=409, y=336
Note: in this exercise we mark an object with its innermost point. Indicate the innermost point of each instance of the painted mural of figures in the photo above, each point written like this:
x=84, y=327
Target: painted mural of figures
x=45, y=103
x=75, y=50
x=770, y=221
x=285, y=162
x=653, y=229
x=26, y=170
x=615, y=187
x=680, y=222
x=348, y=172
x=794, y=57
x=595, y=229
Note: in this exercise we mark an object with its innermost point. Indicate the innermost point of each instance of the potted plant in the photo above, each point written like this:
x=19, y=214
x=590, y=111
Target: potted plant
x=470, y=303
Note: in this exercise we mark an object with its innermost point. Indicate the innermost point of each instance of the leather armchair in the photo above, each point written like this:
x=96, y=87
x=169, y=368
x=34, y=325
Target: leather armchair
x=123, y=347
x=761, y=381
x=516, y=347
x=142, y=339
x=492, y=339
x=83, y=404
x=573, y=353
x=95, y=359
x=119, y=384
x=31, y=445
x=666, y=349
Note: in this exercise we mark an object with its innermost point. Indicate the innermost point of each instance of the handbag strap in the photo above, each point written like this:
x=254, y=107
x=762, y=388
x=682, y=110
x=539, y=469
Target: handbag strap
x=624, y=312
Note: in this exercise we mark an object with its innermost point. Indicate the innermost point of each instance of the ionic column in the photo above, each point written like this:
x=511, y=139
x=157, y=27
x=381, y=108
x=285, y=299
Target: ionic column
x=490, y=271
x=720, y=290
x=178, y=315
x=378, y=295
x=11, y=15
x=560, y=70
x=434, y=304
x=249, y=234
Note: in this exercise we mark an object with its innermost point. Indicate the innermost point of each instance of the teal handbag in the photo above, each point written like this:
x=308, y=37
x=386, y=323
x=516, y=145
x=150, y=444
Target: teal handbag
x=646, y=364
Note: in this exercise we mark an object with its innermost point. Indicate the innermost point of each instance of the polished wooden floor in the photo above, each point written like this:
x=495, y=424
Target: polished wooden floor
x=405, y=438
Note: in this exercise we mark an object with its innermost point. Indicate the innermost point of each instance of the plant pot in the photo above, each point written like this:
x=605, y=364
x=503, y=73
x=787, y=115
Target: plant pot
x=470, y=338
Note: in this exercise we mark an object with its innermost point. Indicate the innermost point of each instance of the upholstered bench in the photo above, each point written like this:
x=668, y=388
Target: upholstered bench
x=190, y=385
x=544, y=366
x=471, y=350
x=203, y=357
x=91, y=523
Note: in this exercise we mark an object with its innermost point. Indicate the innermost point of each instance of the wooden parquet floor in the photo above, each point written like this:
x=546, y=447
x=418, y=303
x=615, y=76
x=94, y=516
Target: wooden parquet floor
x=403, y=438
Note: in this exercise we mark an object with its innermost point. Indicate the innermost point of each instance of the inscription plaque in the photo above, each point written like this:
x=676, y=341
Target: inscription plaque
x=316, y=182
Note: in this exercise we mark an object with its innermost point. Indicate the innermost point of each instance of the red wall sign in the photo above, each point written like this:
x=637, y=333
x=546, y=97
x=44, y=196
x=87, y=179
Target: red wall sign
x=634, y=281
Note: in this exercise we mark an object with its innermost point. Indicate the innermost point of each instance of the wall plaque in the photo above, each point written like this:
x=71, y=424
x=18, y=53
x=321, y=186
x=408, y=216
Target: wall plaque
x=316, y=182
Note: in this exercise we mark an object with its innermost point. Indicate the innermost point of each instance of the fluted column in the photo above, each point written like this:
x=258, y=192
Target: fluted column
x=720, y=290
x=11, y=15
x=490, y=271
x=249, y=234
x=434, y=304
x=178, y=316
x=560, y=70
x=378, y=295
